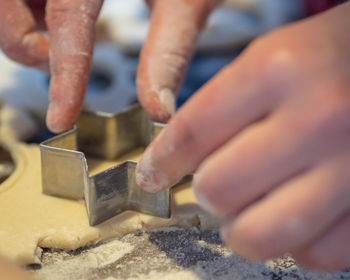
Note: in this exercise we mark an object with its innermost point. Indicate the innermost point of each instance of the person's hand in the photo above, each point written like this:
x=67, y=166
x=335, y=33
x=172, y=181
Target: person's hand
x=70, y=25
x=269, y=137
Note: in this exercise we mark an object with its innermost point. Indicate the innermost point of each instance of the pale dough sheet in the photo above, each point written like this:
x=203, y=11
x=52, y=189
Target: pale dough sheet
x=30, y=220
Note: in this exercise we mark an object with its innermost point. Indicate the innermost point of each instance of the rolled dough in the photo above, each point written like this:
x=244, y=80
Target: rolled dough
x=30, y=220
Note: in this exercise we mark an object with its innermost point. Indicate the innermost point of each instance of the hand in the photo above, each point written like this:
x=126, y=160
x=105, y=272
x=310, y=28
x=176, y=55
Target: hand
x=269, y=137
x=71, y=34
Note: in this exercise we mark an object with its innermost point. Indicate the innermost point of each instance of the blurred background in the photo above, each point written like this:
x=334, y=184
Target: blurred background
x=121, y=30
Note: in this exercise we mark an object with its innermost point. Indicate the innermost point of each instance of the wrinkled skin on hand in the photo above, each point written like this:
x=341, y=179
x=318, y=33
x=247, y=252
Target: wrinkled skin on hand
x=269, y=137
x=65, y=53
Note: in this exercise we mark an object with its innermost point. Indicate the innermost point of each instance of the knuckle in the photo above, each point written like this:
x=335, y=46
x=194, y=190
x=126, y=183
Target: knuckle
x=277, y=62
x=56, y=12
x=63, y=10
x=279, y=68
x=176, y=60
x=185, y=134
x=182, y=139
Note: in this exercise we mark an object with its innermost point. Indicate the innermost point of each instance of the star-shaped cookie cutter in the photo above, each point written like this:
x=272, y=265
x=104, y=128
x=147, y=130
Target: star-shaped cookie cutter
x=65, y=170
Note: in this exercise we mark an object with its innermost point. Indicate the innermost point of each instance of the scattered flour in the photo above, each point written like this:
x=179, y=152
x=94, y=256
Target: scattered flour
x=84, y=264
x=169, y=254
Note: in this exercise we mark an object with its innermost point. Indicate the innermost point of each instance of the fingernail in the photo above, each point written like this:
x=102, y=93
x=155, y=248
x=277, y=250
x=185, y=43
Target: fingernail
x=167, y=98
x=53, y=120
x=202, y=199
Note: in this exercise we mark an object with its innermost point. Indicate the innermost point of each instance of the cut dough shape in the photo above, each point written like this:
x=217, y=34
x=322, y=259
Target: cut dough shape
x=30, y=220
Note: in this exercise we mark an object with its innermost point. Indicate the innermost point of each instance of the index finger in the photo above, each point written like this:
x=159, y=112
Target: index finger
x=230, y=102
x=71, y=26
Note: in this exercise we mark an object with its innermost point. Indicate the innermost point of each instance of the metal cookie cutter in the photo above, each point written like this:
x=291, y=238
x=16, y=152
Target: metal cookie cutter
x=104, y=135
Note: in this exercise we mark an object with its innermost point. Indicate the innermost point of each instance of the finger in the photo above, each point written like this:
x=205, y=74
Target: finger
x=248, y=166
x=294, y=214
x=235, y=98
x=268, y=153
x=331, y=251
x=18, y=38
x=71, y=28
x=169, y=46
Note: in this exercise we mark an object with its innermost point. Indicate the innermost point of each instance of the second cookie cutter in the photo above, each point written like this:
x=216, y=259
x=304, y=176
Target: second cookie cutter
x=65, y=171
